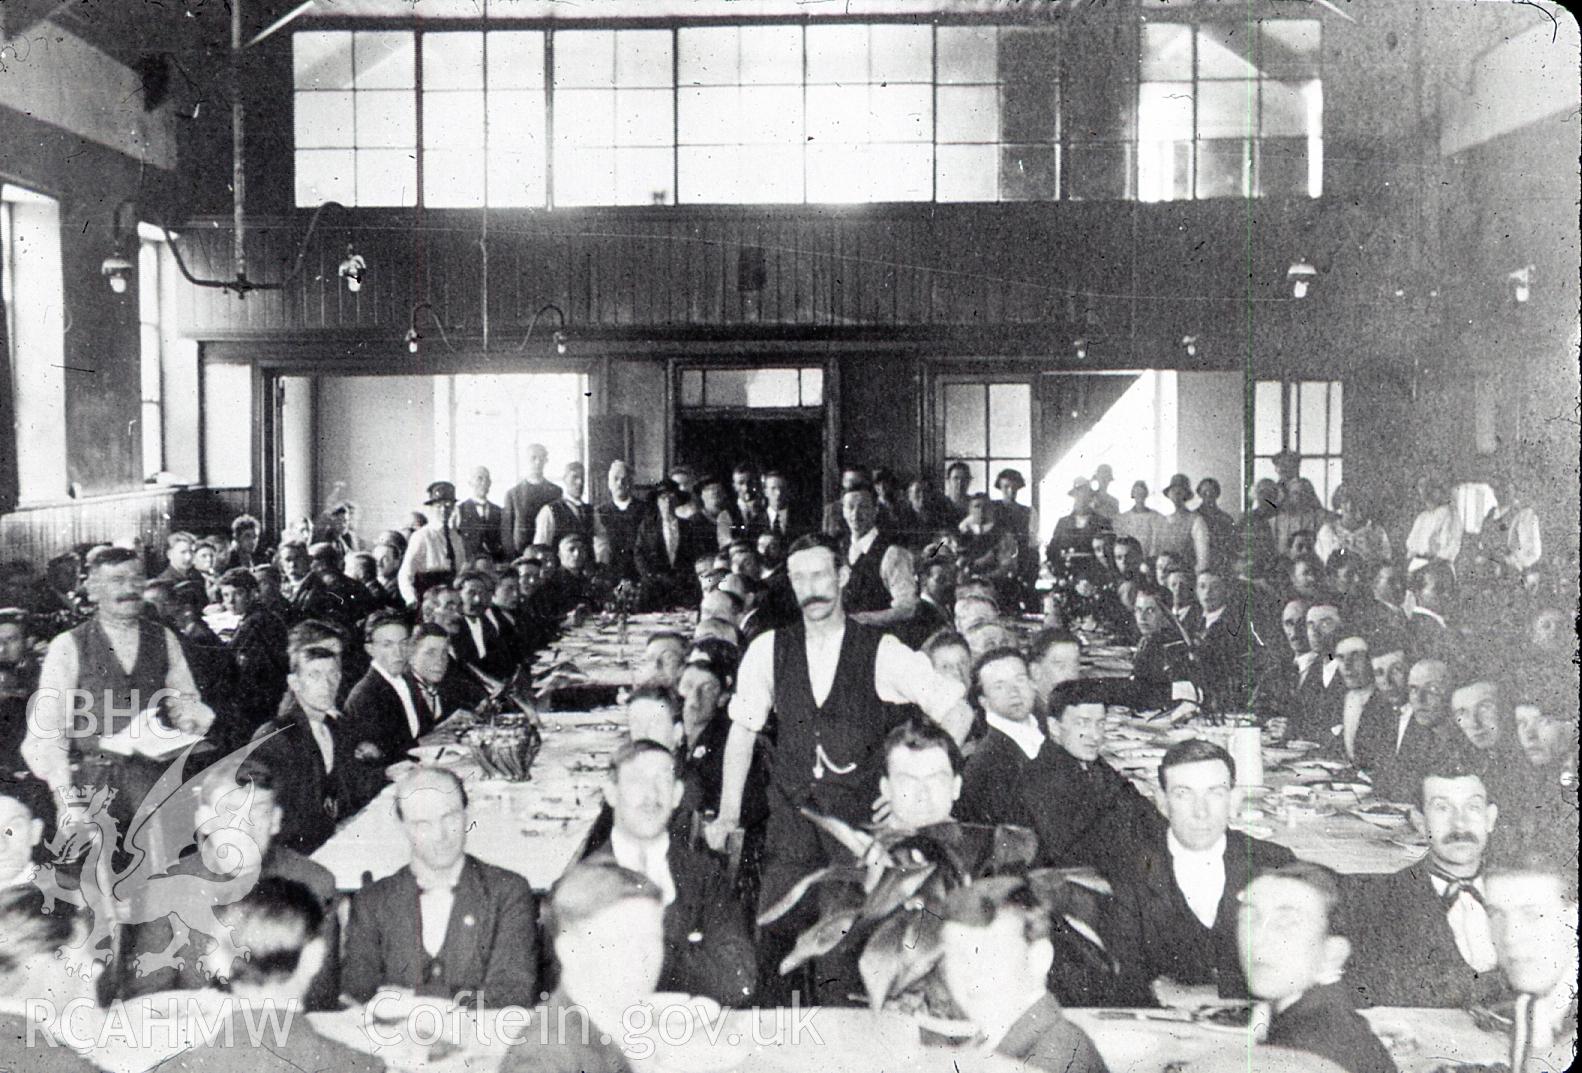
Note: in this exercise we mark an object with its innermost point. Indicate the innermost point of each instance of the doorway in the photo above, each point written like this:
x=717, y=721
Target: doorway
x=792, y=445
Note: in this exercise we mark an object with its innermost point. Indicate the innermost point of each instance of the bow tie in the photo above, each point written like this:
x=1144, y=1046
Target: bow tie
x=1455, y=887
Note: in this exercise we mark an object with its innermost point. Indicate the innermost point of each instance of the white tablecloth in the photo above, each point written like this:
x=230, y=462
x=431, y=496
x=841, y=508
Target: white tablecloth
x=595, y=647
x=534, y=828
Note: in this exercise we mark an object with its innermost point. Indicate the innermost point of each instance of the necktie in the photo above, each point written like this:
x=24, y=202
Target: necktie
x=1455, y=887
x=779, y=524
x=431, y=698
x=450, y=552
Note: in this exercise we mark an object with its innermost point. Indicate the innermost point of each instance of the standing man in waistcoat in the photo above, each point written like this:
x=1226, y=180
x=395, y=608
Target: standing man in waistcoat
x=834, y=686
x=567, y=513
x=872, y=559
x=98, y=676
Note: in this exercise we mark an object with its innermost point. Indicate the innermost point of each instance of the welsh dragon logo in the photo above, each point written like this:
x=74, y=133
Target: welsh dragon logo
x=143, y=889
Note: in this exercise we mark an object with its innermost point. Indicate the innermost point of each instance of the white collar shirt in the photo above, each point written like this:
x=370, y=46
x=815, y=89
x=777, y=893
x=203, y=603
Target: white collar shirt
x=475, y=627
x=1469, y=923
x=324, y=740
x=1200, y=875
x=402, y=690
x=1025, y=733
x=1351, y=717
x=434, y=906
x=860, y=547
x=651, y=859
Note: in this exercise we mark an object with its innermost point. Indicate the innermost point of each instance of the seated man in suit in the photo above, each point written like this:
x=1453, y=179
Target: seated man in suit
x=307, y=754
x=480, y=642
x=1423, y=727
x=997, y=957
x=1172, y=923
x=446, y=925
x=385, y=712
x=600, y=982
x=442, y=686
x=1532, y=900
x=281, y=925
x=1004, y=691
x=936, y=595
x=1360, y=717
x=154, y=959
x=1423, y=937
x=708, y=949
x=1286, y=930
x=1083, y=811
x=1163, y=666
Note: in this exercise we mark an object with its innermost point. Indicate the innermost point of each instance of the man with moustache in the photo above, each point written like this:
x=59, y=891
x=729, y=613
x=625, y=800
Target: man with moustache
x=1422, y=935
x=832, y=685
x=523, y=502
x=1423, y=727
x=615, y=525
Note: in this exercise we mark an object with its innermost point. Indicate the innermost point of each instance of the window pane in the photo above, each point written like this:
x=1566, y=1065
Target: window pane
x=326, y=175
x=324, y=120
x=1030, y=112
x=1262, y=468
x=1332, y=474
x=1227, y=109
x=1314, y=417
x=321, y=60
x=644, y=176
x=644, y=117
x=691, y=387
x=966, y=54
x=1290, y=48
x=1316, y=471
x=1030, y=172
x=386, y=119
x=453, y=120
x=584, y=176
x=837, y=54
x=1223, y=168
x=452, y=179
x=768, y=174
x=901, y=53
x=386, y=177
x=452, y=61
x=1098, y=94
x=585, y=117
x=1029, y=58
x=771, y=55
x=813, y=386
x=708, y=55
x=385, y=60
x=1098, y=172
x=1164, y=111
x=1010, y=419
x=1334, y=417
x=516, y=179
x=708, y=175
x=967, y=114
x=1285, y=109
x=1266, y=417
x=516, y=119
x=771, y=114
x=642, y=58
x=1223, y=51
x=1167, y=51
x=966, y=173
x=1283, y=167
x=965, y=433
x=901, y=113
x=707, y=115
x=756, y=388
x=837, y=114
x=516, y=60
x=584, y=58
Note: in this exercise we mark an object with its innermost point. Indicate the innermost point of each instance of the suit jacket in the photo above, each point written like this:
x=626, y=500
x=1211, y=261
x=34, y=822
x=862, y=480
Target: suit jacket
x=500, y=658
x=480, y=528
x=619, y=528
x=990, y=779
x=1375, y=740
x=374, y=716
x=1043, y=1039
x=566, y=1049
x=1153, y=932
x=1084, y=817
x=491, y=942
x=155, y=936
x=708, y=949
x=927, y=619
x=300, y=1049
x=311, y=799
x=1403, y=952
x=672, y=583
x=519, y=516
x=1323, y=1022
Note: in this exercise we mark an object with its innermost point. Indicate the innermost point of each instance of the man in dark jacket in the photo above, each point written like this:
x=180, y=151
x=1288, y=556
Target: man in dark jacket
x=307, y=753
x=1173, y=918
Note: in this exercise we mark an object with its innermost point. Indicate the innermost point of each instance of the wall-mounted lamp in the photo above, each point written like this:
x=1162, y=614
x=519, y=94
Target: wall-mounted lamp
x=1189, y=344
x=353, y=269
x=560, y=333
x=1301, y=276
x=1081, y=347
x=413, y=337
x=118, y=270
x=1521, y=283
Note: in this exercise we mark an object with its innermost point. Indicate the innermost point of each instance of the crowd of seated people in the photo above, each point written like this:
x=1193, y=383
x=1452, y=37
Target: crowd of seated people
x=1439, y=667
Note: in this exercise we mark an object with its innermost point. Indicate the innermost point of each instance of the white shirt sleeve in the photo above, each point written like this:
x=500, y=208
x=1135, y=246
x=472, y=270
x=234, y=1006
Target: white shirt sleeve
x=405, y=575
x=178, y=675
x=902, y=676
x=544, y=527
x=45, y=747
x=755, y=686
